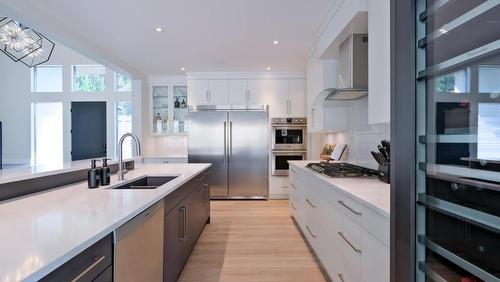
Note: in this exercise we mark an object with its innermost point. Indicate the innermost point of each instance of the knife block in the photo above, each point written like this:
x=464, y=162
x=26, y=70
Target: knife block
x=384, y=173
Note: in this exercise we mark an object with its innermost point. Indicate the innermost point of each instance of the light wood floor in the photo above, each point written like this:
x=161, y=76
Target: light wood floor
x=251, y=241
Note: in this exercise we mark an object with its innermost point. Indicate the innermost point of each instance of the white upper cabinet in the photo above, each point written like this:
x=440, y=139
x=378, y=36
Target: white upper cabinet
x=379, y=61
x=217, y=92
x=198, y=92
x=297, y=97
x=238, y=92
x=207, y=92
x=247, y=92
x=257, y=92
x=278, y=98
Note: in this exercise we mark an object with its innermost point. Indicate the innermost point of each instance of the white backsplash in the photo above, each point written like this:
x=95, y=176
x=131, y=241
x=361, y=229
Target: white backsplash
x=361, y=138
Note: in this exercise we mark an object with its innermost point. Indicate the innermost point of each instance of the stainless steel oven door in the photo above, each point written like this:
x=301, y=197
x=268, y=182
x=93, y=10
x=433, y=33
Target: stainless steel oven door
x=289, y=137
x=280, y=160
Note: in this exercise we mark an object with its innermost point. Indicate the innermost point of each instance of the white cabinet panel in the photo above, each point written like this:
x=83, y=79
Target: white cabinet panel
x=218, y=92
x=297, y=97
x=375, y=259
x=379, y=61
x=198, y=92
x=257, y=92
x=238, y=92
x=278, y=98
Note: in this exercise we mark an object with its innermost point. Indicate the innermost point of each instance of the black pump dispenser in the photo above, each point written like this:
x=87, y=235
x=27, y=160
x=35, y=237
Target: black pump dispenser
x=105, y=175
x=93, y=175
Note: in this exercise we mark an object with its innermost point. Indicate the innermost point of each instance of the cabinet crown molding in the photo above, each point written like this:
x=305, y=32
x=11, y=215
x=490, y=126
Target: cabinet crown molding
x=246, y=75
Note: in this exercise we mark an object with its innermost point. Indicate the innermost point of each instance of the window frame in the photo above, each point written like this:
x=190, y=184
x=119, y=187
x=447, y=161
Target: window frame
x=34, y=75
x=73, y=71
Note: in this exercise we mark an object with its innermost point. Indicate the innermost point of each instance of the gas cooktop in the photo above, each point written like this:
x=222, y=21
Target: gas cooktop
x=342, y=170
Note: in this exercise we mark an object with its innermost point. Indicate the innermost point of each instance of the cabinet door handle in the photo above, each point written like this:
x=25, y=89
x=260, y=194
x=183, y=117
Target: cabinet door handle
x=293, y=205
x=206, y=94
x=311, y=204
x=207, y=192
x=182, y=224
x=293, y=186
x=96, y=262
x=341, y=277
x=349, y=243
x=309, y=230
x=349, y=208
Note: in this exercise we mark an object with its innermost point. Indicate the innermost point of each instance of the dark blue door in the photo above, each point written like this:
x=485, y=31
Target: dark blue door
x=88, y=130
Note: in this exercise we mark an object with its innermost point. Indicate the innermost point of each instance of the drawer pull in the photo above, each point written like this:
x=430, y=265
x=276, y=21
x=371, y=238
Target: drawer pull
x=96, y=262
x=311, y=204
x=349, y=243
x=349, y=208
x=293, y=170
x=341, y=277
x=293, y=186
x=309, y=230
x=293, y=206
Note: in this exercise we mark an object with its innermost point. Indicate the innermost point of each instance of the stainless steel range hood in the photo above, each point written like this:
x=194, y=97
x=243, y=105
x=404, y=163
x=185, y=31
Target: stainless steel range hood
x=353, y=72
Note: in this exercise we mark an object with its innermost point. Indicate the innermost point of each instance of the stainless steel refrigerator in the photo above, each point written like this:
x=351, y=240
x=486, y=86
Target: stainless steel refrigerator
x=235, y=141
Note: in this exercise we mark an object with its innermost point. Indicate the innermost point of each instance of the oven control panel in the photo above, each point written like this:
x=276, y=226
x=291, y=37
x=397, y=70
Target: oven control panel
x=292, y=120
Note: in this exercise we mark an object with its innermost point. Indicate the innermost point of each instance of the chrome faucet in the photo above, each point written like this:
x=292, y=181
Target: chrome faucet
x=121, y=171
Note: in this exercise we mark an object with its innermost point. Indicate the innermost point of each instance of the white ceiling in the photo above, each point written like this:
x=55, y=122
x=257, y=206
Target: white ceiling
x=200, y=35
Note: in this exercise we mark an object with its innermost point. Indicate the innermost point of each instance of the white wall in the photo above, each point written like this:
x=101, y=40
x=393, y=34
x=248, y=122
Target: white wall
x=16, y=98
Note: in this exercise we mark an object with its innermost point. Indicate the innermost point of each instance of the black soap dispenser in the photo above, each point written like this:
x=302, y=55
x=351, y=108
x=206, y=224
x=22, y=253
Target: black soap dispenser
x=105, y=175
x=93, y=175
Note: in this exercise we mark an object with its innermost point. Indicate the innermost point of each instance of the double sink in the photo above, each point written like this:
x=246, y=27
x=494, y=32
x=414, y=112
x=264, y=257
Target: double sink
x=146, y=182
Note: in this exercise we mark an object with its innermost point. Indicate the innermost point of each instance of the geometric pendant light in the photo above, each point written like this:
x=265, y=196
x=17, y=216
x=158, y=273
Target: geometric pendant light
x=23, y=44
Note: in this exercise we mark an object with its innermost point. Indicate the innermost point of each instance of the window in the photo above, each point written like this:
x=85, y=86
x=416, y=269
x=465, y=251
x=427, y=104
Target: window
x=489, y=79
x=457, y=82
x=488, y=131
x=122, y=83
x=124, y=125
x=47, y=133
x=46, y=79
x=89, y=78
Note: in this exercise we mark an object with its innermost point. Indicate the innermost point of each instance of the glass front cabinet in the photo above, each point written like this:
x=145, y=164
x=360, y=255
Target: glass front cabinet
x=458, y=147
x=169, y=109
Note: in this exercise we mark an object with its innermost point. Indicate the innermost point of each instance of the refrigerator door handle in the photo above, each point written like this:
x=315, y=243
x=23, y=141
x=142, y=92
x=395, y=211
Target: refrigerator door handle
x=225, y=142
x=230, y=141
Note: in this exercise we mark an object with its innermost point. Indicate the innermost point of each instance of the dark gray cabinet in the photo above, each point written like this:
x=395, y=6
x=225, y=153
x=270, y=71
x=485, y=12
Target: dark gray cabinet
x=93, y=264
x=184, y=223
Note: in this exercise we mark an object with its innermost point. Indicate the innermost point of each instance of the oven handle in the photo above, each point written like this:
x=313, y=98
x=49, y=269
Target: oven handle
x=288, y=153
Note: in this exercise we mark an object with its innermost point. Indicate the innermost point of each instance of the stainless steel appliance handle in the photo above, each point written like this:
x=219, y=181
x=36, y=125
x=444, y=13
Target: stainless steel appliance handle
x=341, y=277
x=349, y=208
x=225, y=142
x=96, y=260
x=230, y=140
x=311, y=204
x=309, y=230
x=349, y=243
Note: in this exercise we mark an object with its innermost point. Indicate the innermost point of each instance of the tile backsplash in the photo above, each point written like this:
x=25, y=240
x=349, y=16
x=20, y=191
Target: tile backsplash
x=361, y=138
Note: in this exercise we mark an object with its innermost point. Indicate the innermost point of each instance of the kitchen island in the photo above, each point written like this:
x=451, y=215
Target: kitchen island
x=41, y=232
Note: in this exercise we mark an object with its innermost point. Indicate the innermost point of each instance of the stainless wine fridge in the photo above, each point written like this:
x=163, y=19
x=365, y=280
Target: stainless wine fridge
x=457, y=179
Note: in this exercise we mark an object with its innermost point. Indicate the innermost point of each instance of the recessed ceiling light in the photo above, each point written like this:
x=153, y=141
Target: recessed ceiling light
x=275, y=42
x=183, y=69
x=268, y=68
x=159, y=29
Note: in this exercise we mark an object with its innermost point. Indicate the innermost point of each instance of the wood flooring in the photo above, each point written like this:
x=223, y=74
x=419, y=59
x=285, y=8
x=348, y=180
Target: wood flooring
x=251, y=241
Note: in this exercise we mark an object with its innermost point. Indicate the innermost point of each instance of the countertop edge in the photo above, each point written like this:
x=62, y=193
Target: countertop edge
x=53, y=265
x=324, y=179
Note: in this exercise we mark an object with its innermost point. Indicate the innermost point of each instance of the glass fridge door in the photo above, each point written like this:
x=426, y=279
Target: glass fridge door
x=458, y=150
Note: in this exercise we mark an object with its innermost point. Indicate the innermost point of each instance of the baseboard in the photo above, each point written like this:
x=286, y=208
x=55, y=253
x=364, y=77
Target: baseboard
x=278, y=196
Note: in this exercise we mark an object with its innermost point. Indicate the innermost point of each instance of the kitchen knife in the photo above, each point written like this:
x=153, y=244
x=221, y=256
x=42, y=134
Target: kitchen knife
x=378, y=158
x=387, y=146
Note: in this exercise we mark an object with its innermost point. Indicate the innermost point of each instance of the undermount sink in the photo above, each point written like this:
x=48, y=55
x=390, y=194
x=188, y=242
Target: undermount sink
x=147, y=182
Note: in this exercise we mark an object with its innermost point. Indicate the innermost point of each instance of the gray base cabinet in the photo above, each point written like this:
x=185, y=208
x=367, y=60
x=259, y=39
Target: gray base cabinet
x=93, y=264
x=184, y=223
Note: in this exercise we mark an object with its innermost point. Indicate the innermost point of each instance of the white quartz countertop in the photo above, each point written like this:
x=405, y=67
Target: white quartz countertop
x=40, y=232
x=372, y=192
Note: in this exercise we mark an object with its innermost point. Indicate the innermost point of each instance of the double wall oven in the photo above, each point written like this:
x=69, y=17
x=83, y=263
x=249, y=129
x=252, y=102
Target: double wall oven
x=289, y=143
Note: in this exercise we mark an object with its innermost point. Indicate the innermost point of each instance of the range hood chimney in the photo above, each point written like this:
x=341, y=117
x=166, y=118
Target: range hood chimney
x=353, y=70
